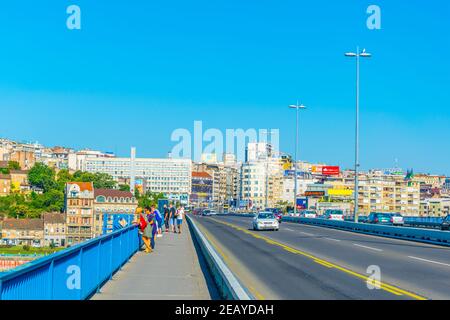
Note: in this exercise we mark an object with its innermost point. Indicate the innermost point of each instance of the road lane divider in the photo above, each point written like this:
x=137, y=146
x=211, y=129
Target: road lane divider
x=228, y=285
x=382, y=285
x=436, y=237
x=366, y=247
x=430, y=261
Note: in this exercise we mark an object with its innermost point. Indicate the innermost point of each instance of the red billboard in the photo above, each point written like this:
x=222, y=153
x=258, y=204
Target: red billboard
x=330, y=170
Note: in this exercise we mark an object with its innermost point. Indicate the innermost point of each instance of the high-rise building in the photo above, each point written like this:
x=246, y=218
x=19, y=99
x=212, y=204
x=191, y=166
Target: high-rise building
x=169, y=176
x=381, y=193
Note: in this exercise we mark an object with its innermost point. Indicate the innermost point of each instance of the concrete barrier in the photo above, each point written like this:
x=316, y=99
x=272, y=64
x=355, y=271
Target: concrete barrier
x=229, y=286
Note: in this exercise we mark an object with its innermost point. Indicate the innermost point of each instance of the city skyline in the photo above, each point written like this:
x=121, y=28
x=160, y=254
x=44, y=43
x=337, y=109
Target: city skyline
x=242, y=72
x=219, y=158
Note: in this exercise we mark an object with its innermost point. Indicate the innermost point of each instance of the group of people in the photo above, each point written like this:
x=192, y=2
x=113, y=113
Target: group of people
x=151, y=223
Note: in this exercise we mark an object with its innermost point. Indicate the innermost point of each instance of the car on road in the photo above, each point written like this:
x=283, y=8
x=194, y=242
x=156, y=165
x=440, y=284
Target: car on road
x=308, y=214
x=445, y=225
x=379, y=218
x=277, y=212
x=209, y=212
x=333, y=214
x=265, y=221
x=397, y=219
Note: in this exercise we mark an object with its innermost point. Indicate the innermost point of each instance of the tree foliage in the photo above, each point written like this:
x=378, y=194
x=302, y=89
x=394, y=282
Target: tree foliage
x=52, y=185
x=149, y=199
x=42, y=177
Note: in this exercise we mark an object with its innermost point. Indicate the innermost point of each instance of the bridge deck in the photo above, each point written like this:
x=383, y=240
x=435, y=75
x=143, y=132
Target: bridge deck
x=175, y=270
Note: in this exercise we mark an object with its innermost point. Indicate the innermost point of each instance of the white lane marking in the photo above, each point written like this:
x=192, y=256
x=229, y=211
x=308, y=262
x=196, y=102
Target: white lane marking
x=430, y=261
x=359, y=245
x=333, y=239
x=306, y=233
x=288, y=229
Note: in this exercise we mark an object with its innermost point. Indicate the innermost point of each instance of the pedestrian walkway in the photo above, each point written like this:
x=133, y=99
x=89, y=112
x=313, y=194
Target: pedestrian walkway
x=174, y=271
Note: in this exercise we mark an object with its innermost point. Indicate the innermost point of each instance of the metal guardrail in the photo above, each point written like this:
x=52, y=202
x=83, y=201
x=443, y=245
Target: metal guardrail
x=74, y=273
x=405, y=233
x=229, y=287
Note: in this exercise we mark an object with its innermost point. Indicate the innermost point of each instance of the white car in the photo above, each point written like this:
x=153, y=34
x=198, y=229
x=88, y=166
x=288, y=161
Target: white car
x=397, y=219
x=337, y=215
x=308, y=214
x=265, y=221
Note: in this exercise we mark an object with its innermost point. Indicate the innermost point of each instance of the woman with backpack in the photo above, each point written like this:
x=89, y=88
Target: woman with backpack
x=145, y=229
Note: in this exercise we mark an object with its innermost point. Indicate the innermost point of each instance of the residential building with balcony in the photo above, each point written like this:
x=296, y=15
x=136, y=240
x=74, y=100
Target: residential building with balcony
x=435, y=207
x=79, y=208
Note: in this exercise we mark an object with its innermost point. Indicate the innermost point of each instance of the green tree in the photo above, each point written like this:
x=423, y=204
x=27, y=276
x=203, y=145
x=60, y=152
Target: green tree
x=13, y=165
x=150, y=199
x=62, y=178
x=100, y=180
x=124, y=187
x=42, y=176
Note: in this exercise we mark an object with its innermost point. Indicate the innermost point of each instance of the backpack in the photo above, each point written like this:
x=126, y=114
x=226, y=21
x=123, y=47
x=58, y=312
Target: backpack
x=142, y=223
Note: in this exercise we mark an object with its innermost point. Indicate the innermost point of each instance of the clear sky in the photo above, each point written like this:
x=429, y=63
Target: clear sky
x=137, y=70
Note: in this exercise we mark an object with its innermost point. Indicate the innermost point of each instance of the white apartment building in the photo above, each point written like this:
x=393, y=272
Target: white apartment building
x=262, y=182
x=289, y=187
x=169, y=176
x=77, y=160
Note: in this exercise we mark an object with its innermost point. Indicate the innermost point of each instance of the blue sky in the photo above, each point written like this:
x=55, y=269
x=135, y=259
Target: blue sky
x=138, y=70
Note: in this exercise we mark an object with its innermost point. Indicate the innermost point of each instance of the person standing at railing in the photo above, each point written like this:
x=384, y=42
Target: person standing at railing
x=145, y=229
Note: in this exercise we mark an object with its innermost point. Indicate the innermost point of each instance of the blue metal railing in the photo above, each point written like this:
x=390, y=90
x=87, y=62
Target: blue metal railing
x=74, y=273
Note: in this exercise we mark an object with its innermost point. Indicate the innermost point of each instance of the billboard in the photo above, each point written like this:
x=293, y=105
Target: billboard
x=330, y=170
x=340, y=192
x=302, y=203
x=314, y=193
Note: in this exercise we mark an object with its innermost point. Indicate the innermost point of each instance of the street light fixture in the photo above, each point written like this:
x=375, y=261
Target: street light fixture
x=297, y=107
x=357, y=55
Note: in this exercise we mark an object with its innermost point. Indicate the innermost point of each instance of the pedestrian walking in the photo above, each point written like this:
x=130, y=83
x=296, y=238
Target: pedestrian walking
x=172, y=217
x=166, y=218
x=159, y=221
x=180, y=216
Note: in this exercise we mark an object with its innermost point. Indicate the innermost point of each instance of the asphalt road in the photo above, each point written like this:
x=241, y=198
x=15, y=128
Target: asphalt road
x=308, y=262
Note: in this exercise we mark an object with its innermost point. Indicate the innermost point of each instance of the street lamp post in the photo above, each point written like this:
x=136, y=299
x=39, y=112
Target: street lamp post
x=297, y=107
x=357, y=55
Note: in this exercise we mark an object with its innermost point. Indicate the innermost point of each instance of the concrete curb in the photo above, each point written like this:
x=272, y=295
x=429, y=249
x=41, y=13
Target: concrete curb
x=228, y=285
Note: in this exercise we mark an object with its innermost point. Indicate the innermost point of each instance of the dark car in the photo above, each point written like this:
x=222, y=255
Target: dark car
x=277, y=212
x=445, y=225
x=379, y=218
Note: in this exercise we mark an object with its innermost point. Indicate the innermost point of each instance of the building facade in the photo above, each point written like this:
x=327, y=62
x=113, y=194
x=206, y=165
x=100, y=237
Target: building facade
x=171, y=177
x=110, y=201
x=202, y=189
x=79, y=211
x=23, y=232
x=5, y=184
x=54, y=229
